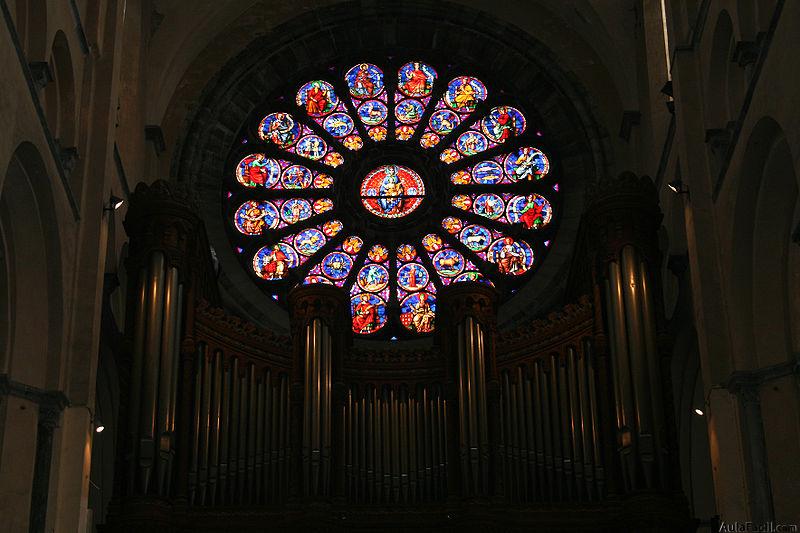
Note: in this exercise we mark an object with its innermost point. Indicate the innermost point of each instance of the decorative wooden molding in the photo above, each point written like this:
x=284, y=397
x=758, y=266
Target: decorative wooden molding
x=163, y=217
x=326, y=302
x=237, y=337
x=541, y=337
x=622, y=211
x=459, y=300
x=394, y=366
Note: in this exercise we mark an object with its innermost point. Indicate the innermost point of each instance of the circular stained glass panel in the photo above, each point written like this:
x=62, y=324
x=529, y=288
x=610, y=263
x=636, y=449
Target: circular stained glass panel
x=392, y=191
x=274, y=262
x=338, y=124
x=512, y=257
x=317, y=97
x=337, y=265
x=532, y=211
x=373, y=278
x=253, y=217
x=257, y=169
x=418, y=312
x=308, y=241
x=412, y=277
x=416, y=79
x=464, y=93
x=369, y=313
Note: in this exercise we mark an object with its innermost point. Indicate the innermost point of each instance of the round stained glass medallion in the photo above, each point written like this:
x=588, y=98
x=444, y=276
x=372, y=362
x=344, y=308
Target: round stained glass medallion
x=478, y=182
x=392, y=191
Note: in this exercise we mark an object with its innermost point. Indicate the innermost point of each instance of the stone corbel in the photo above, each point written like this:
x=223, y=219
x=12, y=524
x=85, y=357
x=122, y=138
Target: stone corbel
x=745, y=53
x=40, y=73
x=69, y=158
x=155, y=135
x=629, y=120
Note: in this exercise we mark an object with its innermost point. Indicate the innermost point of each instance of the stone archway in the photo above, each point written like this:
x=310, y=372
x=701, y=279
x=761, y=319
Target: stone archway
x=31, y=353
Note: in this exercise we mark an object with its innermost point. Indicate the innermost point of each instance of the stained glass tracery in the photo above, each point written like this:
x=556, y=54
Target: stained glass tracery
x=495, y=195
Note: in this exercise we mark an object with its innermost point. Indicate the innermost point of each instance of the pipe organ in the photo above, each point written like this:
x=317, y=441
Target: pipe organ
x=239, y=450
x=550, y=437
x=226, y=423
x=395, y=445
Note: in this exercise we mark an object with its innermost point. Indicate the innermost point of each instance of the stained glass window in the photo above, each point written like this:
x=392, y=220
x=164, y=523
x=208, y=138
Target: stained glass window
x=391, y=182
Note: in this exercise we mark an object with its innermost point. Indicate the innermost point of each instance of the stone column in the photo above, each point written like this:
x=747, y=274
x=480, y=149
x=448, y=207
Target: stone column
x=26, y=452
x=467, y=329
x=167, y=254
x=321, y=332
x=622, y=222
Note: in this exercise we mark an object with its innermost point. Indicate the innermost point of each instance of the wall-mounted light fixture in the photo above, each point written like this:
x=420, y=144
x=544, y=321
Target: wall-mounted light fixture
x=678, y=187
x=94, y=421
x=114, y=203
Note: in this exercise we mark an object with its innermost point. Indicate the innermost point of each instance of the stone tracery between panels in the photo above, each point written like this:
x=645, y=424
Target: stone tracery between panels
x=288, y=196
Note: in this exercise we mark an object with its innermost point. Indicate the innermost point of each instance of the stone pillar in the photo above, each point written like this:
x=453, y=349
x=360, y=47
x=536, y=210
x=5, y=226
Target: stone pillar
x=320, y=324
x=29, y=416
x=468, y=328
x=717, y=354
x=755, y=448
x=167, y=250
x=622, y=220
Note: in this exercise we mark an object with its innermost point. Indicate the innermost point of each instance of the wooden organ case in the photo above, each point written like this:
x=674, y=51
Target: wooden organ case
x=563, y=423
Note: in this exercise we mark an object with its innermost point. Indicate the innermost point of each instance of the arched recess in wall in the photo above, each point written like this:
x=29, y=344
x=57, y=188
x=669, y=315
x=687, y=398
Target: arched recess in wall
x=31, y=25
x=764, y=214
x=725, y=83
x=33, y=292
x=60, y=93
x=60, y=107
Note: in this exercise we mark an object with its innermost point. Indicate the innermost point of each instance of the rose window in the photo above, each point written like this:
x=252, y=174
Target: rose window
x=391, y=183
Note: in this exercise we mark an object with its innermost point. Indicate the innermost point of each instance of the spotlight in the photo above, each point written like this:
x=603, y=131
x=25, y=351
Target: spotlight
x=114, y=203
x=677, y=187
x=698, y=411
x=100, y=428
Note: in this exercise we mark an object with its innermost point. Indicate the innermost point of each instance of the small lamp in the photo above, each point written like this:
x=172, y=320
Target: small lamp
x=678, y=187
x=114, y=203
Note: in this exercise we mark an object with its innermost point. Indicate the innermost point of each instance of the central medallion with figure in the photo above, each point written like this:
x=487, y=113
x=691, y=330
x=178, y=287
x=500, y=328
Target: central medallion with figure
x=392, y=191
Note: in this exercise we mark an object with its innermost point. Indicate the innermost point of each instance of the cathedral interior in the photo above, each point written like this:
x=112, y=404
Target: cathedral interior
x=368, y=265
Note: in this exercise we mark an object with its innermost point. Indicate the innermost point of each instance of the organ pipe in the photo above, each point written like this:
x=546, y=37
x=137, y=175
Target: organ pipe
x=620, y=374
x=173, y=395
x=394, y=424
x=636, y=369
x=653, y=367
x=164, y=379
x=136, y=376
x=576, y=420
x=150, y=368
x=632, y=304
x=549, y=430
x=214, y=427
